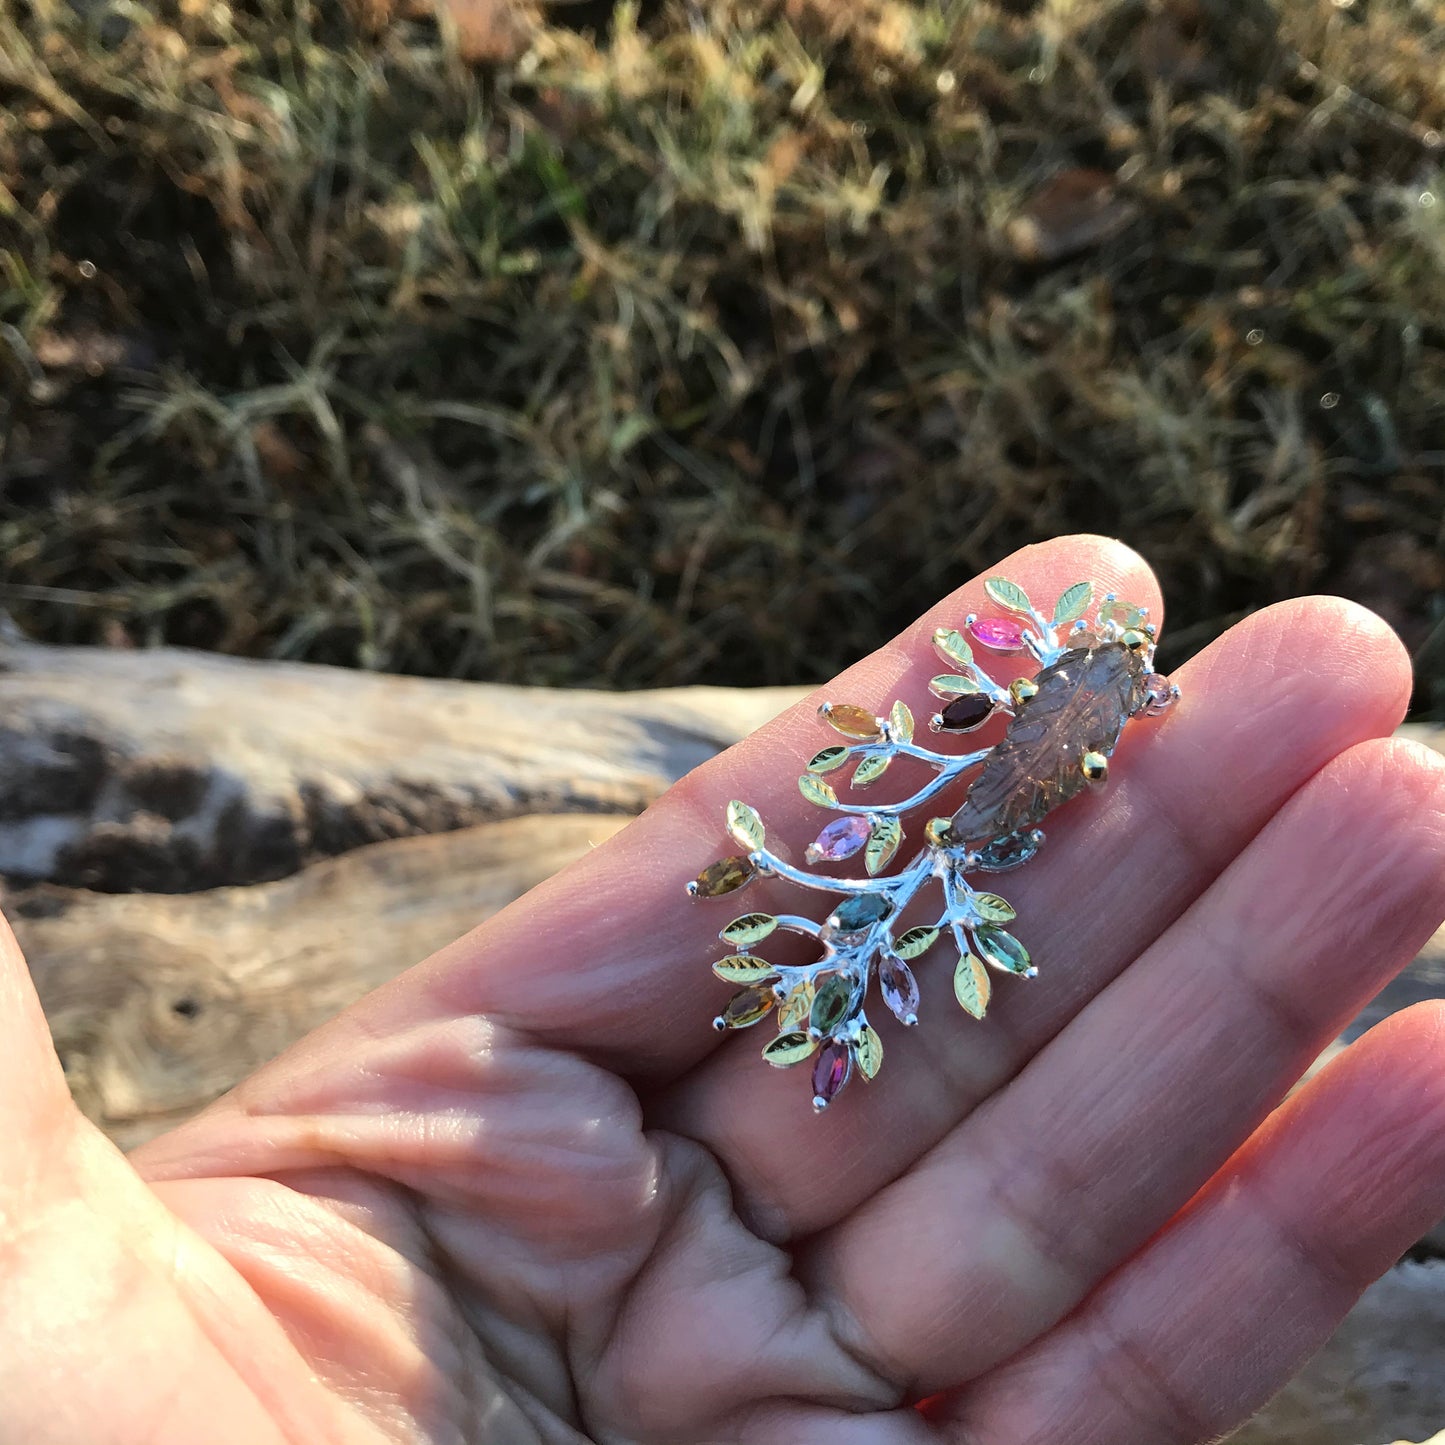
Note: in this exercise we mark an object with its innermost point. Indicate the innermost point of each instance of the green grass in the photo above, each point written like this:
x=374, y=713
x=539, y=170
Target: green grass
x=709, y=348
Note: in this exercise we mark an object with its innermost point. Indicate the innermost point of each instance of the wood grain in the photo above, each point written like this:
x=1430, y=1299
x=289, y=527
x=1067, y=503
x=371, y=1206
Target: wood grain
x=168, y=771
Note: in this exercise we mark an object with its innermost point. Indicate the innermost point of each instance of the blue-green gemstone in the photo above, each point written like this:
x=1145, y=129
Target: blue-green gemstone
x=860, y=912
x=1007, y=852
x=1001, y=949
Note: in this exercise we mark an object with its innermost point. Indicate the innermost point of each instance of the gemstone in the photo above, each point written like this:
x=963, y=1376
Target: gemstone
x=1082, y=703
x=862, y=911
x=899, y=989
x=1126, y=614
x=725, y=876
x=842, y=838
x=965, y=713
x=831, y=1073
x=1002, y=950
x=1158, y=690
x=830, y=1006
x=746, y=1007
x=998, y=634
x=1007, y=852
x=852, y=722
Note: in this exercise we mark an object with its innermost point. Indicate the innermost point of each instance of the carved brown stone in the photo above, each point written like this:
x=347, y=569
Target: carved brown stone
x=1082, y=702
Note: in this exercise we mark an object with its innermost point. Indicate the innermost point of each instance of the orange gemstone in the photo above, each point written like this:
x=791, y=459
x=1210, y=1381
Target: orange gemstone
x=727, y=875
x=747, y=1007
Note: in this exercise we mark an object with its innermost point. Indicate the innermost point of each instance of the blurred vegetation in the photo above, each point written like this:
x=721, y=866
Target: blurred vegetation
x=712, y=340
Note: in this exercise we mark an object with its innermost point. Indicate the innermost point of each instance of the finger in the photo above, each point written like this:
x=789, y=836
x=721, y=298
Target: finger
x=33, y=1094
x=610, y=956
x=1214, y=1316
x=1004, y=1227
x=1259, y=715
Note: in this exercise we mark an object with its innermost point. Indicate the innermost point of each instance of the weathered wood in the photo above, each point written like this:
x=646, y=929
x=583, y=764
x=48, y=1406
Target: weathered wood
x=1378, y=1379
x=167, y=770
x=158, y=1003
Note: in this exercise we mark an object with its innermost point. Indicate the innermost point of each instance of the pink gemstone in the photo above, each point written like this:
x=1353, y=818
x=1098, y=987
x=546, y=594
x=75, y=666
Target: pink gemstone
x=830, y=1073
x=1000, y=634
x=842, y=838
x=900, y=989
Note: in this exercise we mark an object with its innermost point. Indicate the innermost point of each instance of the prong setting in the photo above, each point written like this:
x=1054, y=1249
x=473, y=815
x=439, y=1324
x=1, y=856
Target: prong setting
x=1094, y=673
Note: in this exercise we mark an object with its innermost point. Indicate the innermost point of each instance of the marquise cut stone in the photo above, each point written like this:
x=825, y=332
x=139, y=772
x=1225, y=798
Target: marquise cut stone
x=861, y=911
x=998, y=634
x=842, y=838
x=830, y=1073
x=965, y=713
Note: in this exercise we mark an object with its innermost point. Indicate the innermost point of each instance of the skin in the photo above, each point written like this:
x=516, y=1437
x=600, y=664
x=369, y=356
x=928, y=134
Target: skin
x=524, y=1193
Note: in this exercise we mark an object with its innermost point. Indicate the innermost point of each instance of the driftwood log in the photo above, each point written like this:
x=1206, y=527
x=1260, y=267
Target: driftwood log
x=158, y=1003
x=204, y=858
x=168, y=771
x=193, y=845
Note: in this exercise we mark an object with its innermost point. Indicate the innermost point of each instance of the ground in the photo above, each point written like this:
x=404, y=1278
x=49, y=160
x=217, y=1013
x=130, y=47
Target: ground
x=710, y=340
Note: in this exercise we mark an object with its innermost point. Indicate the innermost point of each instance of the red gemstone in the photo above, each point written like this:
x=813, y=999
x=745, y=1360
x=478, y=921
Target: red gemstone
x=999, y=634
x=830, y=1073
x=842, y=838
x=965, y=713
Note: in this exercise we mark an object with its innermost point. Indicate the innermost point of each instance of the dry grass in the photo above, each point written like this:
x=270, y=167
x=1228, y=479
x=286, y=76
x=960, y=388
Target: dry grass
x=715, y=347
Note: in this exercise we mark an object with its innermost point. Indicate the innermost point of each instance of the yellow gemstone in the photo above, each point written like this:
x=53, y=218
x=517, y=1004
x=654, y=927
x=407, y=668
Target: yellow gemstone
x=852, y=722
x=727, y=875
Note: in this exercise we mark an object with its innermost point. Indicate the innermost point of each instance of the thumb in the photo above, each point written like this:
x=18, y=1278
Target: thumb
x=33, y=1094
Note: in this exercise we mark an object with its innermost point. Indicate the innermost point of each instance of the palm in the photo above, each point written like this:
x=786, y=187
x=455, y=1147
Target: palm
x=522, y=1195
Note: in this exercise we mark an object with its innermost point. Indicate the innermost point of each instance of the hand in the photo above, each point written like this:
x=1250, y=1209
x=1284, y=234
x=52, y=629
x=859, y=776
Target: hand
x=524, y=1193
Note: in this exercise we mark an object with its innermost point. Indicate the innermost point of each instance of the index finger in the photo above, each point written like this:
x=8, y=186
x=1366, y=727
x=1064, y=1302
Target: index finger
x=609, y=958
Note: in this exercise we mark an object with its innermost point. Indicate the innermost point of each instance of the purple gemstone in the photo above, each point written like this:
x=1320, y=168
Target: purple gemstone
x=999, y=634
x=900, y=989
x=842, y=838
x=830, y=1073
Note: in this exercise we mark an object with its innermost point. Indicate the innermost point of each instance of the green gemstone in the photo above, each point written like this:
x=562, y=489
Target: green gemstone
x=830, y=1007
x=1002, y=950
x=860, y=912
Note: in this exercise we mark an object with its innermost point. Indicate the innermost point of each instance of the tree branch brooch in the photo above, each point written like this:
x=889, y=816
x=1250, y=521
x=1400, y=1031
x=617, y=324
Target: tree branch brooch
x=1095, y=673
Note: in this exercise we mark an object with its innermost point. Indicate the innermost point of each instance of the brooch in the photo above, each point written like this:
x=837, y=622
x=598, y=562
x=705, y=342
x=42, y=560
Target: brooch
x=1095, y=673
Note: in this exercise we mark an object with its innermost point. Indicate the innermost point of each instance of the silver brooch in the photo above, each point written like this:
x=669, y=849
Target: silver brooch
x=1095, y=673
